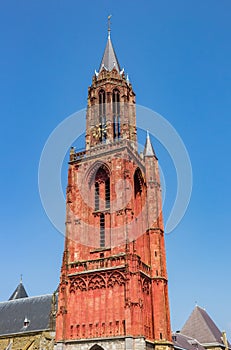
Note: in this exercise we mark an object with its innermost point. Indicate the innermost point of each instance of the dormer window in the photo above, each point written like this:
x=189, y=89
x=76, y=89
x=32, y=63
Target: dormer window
x=26, y=322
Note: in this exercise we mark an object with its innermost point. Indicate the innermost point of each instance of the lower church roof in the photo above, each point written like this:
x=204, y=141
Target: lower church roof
x=181, y=341
x=26, y=315
x=200, y=326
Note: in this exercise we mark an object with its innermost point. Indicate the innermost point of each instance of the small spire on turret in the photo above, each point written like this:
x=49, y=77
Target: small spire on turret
x=19, y=292
x=148, y=148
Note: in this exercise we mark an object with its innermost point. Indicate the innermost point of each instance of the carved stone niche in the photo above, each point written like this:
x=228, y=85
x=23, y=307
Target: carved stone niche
x=146, y=286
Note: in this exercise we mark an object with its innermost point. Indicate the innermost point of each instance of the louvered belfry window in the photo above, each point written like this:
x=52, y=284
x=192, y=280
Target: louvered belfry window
x=102, y=115
x=96, y=196
x=116, y=114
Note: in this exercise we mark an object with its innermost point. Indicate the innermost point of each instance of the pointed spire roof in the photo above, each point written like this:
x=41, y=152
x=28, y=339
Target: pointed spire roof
x=19, y=292
x=200, y=326
x=148, y=149
x=109, y=60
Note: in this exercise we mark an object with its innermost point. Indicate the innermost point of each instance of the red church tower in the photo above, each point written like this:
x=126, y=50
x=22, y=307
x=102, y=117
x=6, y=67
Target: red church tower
x=113, y=291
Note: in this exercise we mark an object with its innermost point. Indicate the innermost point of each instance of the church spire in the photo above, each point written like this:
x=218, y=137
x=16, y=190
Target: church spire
x=109, y=60
x=19, y=292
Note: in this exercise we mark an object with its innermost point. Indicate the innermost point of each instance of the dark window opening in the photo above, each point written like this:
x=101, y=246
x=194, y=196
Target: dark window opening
x=124, y=327
x=97, y=347
x=77, y=330
x=138, y=182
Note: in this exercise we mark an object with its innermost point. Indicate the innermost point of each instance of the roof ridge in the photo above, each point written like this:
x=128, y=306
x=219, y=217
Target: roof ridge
x=26, y=298
x=187, y=336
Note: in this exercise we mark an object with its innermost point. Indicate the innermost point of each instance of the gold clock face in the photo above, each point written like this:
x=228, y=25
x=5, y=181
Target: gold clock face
x=96, y=133
x=99, y=131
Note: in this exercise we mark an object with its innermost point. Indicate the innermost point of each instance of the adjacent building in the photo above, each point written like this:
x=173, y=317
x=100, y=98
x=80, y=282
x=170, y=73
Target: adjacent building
x=200, y=326
x=27, y=323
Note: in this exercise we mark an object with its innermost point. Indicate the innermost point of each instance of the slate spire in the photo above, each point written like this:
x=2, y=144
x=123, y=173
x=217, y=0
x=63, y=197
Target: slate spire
x=19, y=292
x=109, y=60
x=148, y=149
x=200, y=326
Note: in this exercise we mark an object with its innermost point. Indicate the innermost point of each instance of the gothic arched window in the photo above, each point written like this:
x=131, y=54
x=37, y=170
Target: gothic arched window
x=102, y=198
x=102, y=189
x=102, y=114
x=116, y=113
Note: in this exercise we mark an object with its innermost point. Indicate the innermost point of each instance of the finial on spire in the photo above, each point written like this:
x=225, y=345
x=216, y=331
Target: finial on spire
x=109, y=25
x=21, y=278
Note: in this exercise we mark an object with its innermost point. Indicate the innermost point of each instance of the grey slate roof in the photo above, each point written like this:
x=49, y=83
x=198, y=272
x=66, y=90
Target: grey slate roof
x=148, y=149
x=181, y=341
x=14, y=312
x=19, y=292
x=109, y=60
x=200, y=326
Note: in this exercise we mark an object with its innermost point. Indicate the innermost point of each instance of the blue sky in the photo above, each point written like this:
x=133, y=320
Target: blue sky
x=178, y=55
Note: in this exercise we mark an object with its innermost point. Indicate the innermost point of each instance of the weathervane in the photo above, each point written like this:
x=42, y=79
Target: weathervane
x=109, y=25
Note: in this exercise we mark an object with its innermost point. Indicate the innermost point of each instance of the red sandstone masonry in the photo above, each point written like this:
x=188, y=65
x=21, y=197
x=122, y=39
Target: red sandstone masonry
x=119, y=289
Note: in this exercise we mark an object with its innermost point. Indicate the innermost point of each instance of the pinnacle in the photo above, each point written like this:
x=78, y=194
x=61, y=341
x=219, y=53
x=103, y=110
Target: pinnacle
x=148, y=148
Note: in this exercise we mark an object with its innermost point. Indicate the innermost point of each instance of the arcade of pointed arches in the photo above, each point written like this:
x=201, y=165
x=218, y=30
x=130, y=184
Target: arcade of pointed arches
x=103, y=113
